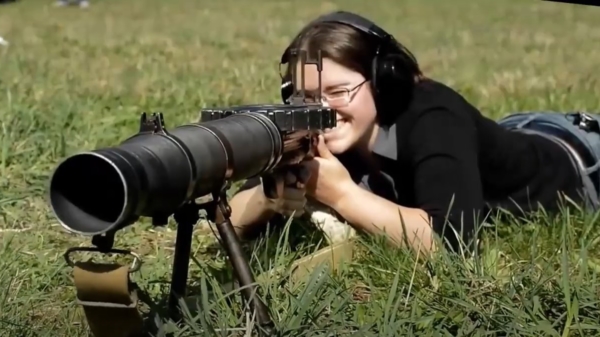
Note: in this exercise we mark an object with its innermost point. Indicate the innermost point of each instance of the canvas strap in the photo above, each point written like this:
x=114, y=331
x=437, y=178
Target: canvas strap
x=109, y=299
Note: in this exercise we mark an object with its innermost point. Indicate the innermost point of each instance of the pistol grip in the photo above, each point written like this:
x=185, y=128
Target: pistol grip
x=269, y=184
x=274, y=182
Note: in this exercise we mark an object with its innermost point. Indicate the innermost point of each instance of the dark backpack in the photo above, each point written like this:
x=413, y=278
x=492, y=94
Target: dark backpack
x=581, y=131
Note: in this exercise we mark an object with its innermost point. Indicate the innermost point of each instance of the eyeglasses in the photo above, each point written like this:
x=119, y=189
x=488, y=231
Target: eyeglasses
x=341, y=97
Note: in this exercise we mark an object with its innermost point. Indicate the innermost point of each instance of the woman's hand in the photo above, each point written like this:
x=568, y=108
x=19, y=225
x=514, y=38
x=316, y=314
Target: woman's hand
x=329, y=180
x=290, y=191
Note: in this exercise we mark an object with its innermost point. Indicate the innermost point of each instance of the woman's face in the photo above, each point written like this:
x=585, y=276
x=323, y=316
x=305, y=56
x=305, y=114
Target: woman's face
x=347, y=92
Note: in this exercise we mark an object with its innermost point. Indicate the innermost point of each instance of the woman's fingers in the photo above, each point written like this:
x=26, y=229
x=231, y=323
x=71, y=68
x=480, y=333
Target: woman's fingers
x=293, y=194
x=295, y=207
x=290, y=178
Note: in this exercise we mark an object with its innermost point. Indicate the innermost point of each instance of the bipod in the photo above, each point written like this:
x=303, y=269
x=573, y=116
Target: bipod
x=109, y=297
x=218, y=212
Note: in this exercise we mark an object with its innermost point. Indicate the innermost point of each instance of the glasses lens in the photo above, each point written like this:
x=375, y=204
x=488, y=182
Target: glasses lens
x=337, y=102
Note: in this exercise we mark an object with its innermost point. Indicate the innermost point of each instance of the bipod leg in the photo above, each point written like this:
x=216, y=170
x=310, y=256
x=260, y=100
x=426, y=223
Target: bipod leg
x=240, y=265
x=186, y=219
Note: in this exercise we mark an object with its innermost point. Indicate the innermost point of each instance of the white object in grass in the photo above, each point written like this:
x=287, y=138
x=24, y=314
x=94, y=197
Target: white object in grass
x=325, y=219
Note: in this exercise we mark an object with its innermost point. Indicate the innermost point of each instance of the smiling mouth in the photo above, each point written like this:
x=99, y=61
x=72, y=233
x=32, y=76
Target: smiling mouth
x=339, y=123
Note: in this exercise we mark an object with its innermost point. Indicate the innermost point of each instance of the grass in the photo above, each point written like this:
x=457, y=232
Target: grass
x=72, y=80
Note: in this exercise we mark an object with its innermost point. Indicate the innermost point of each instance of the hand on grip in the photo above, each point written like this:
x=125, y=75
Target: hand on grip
x=285, y=190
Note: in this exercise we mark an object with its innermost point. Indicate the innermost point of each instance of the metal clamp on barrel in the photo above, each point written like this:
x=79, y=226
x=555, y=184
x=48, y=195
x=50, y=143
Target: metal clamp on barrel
x=107, y=294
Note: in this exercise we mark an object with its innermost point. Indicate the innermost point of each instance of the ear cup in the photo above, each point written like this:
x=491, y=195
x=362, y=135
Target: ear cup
x=389, y=72
x=287, y=89
x=391, y=85
x=374, y=77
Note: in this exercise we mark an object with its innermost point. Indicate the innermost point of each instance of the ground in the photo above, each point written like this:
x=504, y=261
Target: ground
x=73, y=79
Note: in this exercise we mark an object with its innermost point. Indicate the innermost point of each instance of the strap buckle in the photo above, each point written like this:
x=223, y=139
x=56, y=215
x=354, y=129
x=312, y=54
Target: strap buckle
x=135, y=265
x=132, y=305
x=585, y=121
x=106, y=293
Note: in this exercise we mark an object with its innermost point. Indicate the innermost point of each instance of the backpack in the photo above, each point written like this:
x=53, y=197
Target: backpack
x=579, y=131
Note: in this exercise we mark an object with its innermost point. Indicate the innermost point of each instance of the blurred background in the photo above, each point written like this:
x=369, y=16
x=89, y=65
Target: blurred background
x=77, y=77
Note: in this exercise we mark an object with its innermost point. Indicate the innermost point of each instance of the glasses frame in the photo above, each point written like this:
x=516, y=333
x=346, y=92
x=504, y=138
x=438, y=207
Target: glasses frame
x=347, y=98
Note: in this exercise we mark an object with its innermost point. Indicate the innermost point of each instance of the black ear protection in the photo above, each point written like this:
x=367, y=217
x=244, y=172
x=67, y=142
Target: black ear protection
x=391, y=75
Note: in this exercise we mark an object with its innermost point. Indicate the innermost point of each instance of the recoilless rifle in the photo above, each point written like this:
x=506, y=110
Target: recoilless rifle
x=159, y=173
